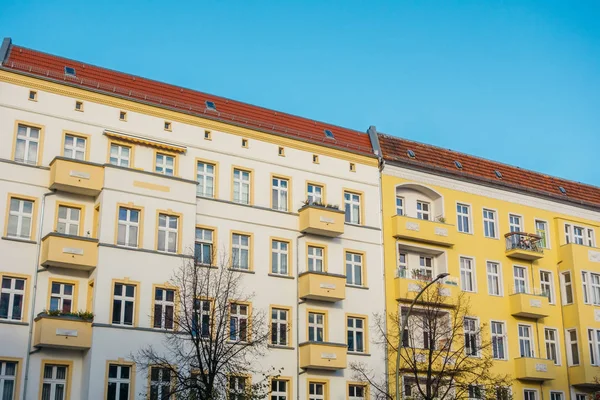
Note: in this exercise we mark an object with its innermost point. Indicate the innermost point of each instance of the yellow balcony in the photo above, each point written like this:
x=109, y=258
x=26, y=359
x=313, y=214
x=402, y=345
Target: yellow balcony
x=579, y=257
x=62, y=332
x=77, y=177
x=318, y=220
x=419, y=230
x=524, y=246
x=527, y=305
x=323, y=355
x=534, y=369
x=414, y=358
x=322, y=286
x=67, y=251
x=406, y=289
x=584, y=376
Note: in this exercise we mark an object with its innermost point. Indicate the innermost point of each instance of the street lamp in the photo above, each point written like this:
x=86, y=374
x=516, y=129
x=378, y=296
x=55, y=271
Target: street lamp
x=404, y=322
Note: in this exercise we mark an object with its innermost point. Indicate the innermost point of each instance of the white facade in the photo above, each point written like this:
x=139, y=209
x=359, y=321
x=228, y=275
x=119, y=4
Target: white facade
x=140, y=187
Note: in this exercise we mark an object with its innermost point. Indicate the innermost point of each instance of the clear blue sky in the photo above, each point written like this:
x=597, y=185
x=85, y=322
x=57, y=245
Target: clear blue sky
x=514, y=81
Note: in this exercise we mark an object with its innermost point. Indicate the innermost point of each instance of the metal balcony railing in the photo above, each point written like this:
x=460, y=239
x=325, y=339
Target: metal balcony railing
x=523, y=241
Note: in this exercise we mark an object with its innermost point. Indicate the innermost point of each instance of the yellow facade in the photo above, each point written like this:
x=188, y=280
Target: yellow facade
x=442, y=240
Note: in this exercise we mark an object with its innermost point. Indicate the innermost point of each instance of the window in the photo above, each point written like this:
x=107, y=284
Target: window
x=78, y=105
x=12, y=297
x=167, y=233
x=590, y=238
x=356, y=334
x=354, y=268
x=591, y=287
x=316, y=258
x=168, y=126
x=470, y=327
x=28, y=142
x=520, y=279
x=422, y=210
x=581, y=397
x=207, y=135
x=74, y=147
x=245, y=143
x=314, y=194
x=279, y=257
x=54, y=385
x=165, y=164
x=203, y=246
x=122, y=116
x=237, y=388
x=503, y=393
x=547, y=286
x=68, y=220
x=279, y=327
x=399, y=205
x=352, y=207
x=119, y=380
x=584, y=284
x=123, y=304
x=61, y=297
x=529, y=394
x=357, y=392
x=567, y=288
x=463, y=217
x=352, y=167
x=402, y=265
x=279, y=389
x=499, y=341
x=316, y=327
x=494, y=278
x=205, y=176
x=238, y=322
x=32, y=95
x=525, y=341
x=20, y=217
x=489, y=223
x=425, y=271
x=556, y=396
x=541, y=229
x=202, y=317
x=8, y=379
x=279, y=192
x=475, y=392
x=281, y=151
x=129, y=224
x=120, y=155
x=578, y=235
x=240, y=251
x=164, y=307
x=467, y=274
x=514, y=222
x=316, y=391
x=160, y=383
x=241, y=186
x=594, y=346
x=552, y=351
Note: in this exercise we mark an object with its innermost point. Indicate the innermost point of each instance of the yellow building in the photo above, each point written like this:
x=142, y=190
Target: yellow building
x=521, y=244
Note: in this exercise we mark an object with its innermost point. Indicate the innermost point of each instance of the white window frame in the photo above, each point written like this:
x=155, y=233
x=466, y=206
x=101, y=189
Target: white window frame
x=205, y=242
x=118, y=157
x=124, y=298
x=402, y=266
x=315, y=327
x=160, y=383
x=530, y=391
x=590, y=237
x=24, y=136
x=20, y=214
x=512, y=225
x=490, y=224
x=471, y=272
x=463, y=218
x=237, y=387
x=280, y=256
x=502, y=336
x=594, y=345
x=54, y=381
x=591, y=287
x=570, y=342
x=201, y=312
x=77, y=153
x=314, y=193
x=352, y=203
x=4, y=377
x=162, y=164
x=352, y=265
x=280, y=193
x=65, y=224
x=167, y=231
x=164, y=304
x=545, y=242
x=315, y=261
x=520, y=280
x=241, y=186
x=426, y=270
x=557, y=395
x=61, y=296
x=355, y=331
x=399, y=205
x=276, y=391
x=566, y=287
x=118, y=381
x=472, y=331
x=239, y=249
x=578, y=235
x=352, y=392
x=555, y=342
x=472, y=392
x=128, y=224
x=277, y=323
x=522, y=338
x=494, y=275
x=585, y=287
x=203, y=175
x=236, y=318
x=12, y=293
x=313, y=386
x=423, y=210
x=548, y=286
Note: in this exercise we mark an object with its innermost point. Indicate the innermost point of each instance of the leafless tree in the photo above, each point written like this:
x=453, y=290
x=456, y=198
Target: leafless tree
x=216, y=341
x=445, y=354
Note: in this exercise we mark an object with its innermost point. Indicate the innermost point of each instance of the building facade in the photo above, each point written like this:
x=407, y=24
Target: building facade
x=110, y=182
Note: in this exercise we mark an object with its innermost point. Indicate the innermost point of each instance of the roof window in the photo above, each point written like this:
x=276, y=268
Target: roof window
x=70, y=71
x=210, y=105
x=458, y=164
x=562, y=190
x=329, y=134
x=411, y=154
x=498, y=174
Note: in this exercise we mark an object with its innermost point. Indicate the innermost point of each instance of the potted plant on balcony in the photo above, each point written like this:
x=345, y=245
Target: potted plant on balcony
x=86, y=316
x=311, y=203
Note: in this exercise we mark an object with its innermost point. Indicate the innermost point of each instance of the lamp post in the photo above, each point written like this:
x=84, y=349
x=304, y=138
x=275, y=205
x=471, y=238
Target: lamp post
x=404, y=322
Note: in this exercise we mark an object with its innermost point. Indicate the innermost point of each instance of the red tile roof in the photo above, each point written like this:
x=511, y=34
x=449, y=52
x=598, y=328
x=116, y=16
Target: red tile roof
x=135, y=88
x=433, y=158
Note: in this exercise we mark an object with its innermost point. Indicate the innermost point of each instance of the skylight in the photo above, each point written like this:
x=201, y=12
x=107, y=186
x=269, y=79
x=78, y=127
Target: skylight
x=211, y=105
x=411, y=154
x=329, y=134
x=70, y=71
x=458, y=164
x=562, y=190
x=498, y=174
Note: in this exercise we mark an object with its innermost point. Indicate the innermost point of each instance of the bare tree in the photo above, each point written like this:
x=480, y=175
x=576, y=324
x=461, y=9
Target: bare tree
x=216, y=340
x=444, y=353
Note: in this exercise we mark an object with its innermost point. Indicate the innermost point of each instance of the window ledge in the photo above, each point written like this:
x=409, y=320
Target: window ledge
x=357, y=353
x=162, y=253
x=11, y=322
x=357, y=286
x=14, y=239
x=277, y=346
x=281, y=276
x=244, y=271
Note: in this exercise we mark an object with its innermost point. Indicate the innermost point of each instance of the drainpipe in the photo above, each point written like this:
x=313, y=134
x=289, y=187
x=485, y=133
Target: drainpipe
x=298, y=372
x=33, y=296
x=564, y=330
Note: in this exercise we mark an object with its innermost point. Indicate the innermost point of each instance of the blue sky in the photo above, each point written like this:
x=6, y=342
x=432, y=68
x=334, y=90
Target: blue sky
x=514, y=81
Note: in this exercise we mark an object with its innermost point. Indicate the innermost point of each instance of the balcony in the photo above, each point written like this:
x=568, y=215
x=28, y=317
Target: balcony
x=63, y=332
x=323, y=355
x=65, y=251
x=579, y=257
x=320, y=220
x=406, y=288
x=420, y=230
x=418, y=358
x=524, y=246
x=534, y=369
x=527, y=305
x=321, y=286
x=584, y=376
x=77, y=177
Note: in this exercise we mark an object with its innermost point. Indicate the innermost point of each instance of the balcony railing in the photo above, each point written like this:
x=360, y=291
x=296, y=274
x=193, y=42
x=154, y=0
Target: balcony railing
x=526, y=246
x=423, y=275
